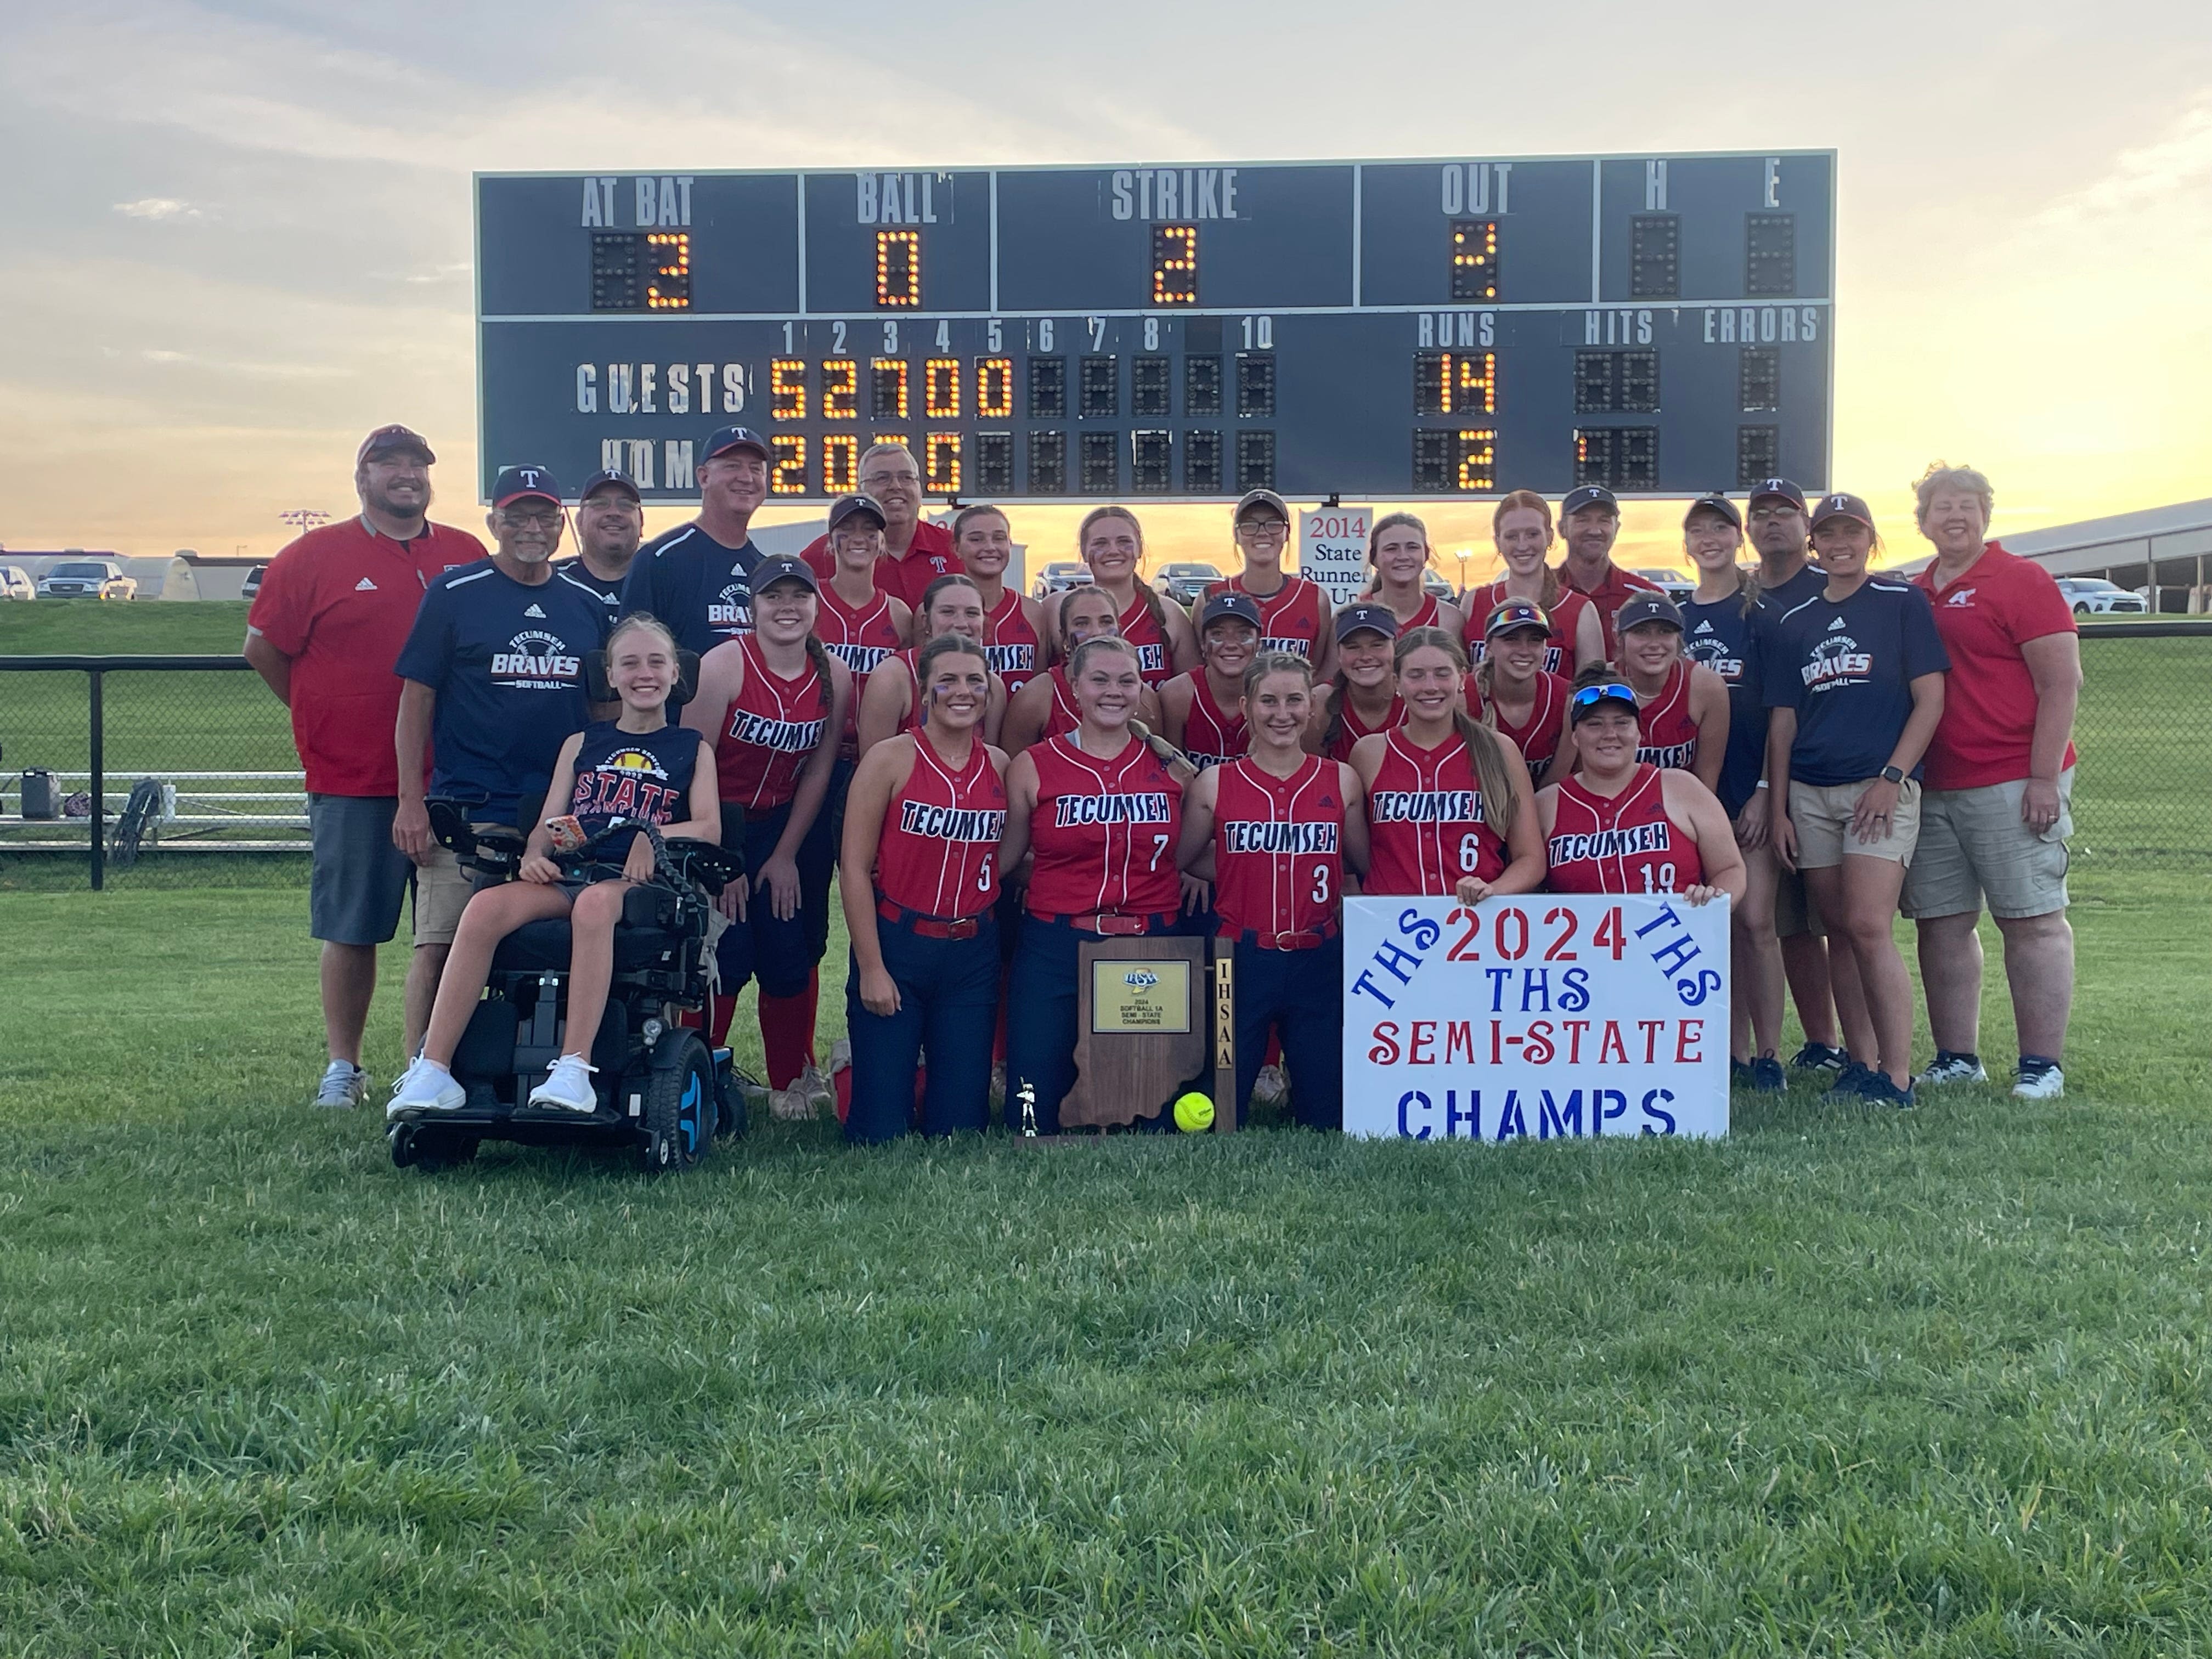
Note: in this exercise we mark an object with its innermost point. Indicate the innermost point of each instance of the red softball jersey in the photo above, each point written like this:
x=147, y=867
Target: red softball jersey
x=939, y=851
x=1212, y=736
x=1613, y=590
x=1425, y=827
x=860, y=637
x=773, y=725
x=1625, y=845
x=1063, y=716
x=1425, y=614
x=1278, y=849
x=1104, y=831
x=1290, y=618
x=1566, y=616
x=1988, y=730
x=1538, y=736
x=1354, y=728
x=1011, y=645
x=1137, y=626
x=1670, y=736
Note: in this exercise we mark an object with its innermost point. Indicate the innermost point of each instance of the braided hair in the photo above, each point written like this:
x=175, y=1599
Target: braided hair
x=1483, y=744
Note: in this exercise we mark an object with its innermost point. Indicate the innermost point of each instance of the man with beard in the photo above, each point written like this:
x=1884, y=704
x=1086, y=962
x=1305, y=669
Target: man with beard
x=1589, y=521
x=610, y=522
x=492, y=684
x=915, y=552
x=324, y=631
x=697, y=577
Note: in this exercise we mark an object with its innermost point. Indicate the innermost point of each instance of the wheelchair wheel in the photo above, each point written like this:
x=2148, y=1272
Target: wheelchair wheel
x=678, y=1118
x=430, y=1147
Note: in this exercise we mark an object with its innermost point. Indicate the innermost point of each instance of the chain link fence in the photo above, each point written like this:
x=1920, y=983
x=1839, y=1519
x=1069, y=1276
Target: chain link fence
x=191, y=762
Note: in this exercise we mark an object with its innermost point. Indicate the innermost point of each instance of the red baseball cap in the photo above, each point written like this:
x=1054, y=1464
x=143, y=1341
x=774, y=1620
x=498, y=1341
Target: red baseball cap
x=385, y=439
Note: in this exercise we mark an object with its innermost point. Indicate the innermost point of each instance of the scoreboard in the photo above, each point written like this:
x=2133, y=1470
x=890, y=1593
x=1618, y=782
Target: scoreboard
x=1661, y=324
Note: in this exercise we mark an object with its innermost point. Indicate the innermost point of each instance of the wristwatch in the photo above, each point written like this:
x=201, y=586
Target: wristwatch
x=1892, y=774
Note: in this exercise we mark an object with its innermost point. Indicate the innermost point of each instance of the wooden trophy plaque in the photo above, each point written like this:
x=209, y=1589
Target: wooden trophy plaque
x=1142, y=1007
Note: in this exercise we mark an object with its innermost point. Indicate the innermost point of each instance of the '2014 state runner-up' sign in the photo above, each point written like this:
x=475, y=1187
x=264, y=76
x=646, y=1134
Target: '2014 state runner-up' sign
x=1549, y=1016
x=1333, y=550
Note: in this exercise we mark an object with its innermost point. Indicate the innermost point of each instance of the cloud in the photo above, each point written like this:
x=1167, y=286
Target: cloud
x=157, y=207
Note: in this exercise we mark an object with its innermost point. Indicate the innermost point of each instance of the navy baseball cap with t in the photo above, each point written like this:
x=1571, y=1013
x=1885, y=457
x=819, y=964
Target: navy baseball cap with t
x=1228, y=603
x=1643, y=608
x=386, y=439
x=1714, y=501
x=1589, y=496
x=612, y=478
x=784, y=567
x=1515, y=614
x=1353, y=617
x=1841, y=506
x=728, y=438
x=1782, y=487
x=516, y=484
x=1255, y=499
x=847, y=505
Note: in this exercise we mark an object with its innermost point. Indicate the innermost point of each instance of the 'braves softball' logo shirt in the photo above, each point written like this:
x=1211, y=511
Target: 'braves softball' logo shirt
x=1848, y=669
x=506, y=661
x=703, y=589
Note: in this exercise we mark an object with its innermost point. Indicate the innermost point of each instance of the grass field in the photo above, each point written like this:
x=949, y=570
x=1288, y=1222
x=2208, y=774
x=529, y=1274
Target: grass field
x=1840, y=1385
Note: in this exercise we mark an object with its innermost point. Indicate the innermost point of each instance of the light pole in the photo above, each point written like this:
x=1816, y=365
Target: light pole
x=304, y=519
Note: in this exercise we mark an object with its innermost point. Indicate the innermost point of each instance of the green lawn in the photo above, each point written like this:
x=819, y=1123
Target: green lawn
x=1843, y=1384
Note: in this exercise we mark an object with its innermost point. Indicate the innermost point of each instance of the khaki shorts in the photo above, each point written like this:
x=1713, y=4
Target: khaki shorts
x=1972, y=845
x=442, y=890
x=1822, y=815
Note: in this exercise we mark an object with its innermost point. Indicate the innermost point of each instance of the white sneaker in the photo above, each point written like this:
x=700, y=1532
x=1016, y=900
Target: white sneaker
x=1269, y=1088
x=809, y=1095
x=426, y=1087
x=2049, y=1083
x=1953, y=1068
x=344, y=1086
x=840, y=1056
x=567, y=1086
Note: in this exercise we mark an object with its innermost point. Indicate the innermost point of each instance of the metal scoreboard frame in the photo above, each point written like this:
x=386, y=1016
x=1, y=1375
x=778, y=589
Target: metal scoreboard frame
x=1388, y=330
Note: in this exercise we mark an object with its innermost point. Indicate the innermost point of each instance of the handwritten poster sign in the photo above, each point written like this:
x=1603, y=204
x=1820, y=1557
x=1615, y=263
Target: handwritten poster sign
x=1545, y=1016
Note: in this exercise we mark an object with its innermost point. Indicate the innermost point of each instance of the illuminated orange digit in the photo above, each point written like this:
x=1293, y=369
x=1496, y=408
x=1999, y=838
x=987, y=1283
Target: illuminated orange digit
x=786, y=389
x=995, y=388
x=1477, y=384
x=788, y=475
x=940, y=388
x=940, y=462
x=1478, y=458
x=898, y=268
x=840, y=388
x=840, y=464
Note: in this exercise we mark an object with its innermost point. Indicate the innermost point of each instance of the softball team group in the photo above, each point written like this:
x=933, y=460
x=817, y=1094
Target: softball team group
x=1003, y=780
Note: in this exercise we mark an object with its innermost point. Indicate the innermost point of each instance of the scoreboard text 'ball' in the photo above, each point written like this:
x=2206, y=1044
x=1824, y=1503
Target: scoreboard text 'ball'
x=1393, y=329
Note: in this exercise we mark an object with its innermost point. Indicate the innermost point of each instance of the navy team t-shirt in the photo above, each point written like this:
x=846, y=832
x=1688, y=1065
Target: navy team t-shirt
x=506, y=661
x=1847, y=670
x=1725, y=638
x=703, y=589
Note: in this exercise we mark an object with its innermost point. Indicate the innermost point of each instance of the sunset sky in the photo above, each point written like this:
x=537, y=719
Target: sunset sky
x=240, y=235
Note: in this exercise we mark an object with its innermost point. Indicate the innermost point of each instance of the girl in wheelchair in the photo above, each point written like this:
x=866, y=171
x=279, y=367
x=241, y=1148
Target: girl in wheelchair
x=641, y=766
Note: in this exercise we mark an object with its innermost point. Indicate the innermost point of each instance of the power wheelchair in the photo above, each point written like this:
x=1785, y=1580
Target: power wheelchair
x=664, y=1094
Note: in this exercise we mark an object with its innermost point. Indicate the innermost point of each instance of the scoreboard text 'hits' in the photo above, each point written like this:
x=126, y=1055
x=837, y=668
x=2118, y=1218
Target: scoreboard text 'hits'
x=1384, y=330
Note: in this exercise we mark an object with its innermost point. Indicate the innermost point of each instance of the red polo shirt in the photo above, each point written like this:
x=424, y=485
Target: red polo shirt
x=339, y=603
x=928, y=556
x=1988, y=730
x=1609, y=596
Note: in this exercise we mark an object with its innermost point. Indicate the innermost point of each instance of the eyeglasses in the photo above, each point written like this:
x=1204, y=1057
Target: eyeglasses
x=874, y=480
x=1265, y=530
x=529, y=520
x=1782, y=512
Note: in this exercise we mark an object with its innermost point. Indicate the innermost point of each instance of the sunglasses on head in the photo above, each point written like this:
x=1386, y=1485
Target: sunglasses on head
x=1590, y=696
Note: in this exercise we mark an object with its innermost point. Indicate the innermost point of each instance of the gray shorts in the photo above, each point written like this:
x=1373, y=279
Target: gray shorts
x=1974, y=847
x=359, y=876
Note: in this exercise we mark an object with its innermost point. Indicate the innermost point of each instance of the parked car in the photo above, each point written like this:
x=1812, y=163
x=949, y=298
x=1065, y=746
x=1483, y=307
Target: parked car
x=251, y=585
x=87, y=579
x=1434, y=586
x=1673, y=583
x=15, y=583
x=2093, y=596
x=1058, y=576
x=1185, y=583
